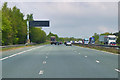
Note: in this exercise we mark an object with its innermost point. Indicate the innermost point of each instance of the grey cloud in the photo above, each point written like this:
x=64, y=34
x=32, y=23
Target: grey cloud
x=75, y=19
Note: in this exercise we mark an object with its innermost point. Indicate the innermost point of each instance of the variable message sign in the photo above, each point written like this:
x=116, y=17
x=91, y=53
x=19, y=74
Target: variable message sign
x=38, y=23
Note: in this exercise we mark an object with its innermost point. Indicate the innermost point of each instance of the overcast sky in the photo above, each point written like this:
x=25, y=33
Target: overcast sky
x=73, y=19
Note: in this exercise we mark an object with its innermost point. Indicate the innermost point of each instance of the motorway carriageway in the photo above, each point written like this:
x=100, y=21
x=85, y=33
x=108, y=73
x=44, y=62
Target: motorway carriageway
x=53, y=61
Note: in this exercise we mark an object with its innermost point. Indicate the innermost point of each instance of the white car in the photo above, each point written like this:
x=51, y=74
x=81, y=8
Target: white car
x=68, y=44
x=80, y=42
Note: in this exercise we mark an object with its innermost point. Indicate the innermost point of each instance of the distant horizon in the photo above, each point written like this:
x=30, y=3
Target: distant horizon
x=77, y=37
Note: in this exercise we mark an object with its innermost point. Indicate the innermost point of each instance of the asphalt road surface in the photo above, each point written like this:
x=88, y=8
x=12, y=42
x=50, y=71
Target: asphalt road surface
x=53, y=61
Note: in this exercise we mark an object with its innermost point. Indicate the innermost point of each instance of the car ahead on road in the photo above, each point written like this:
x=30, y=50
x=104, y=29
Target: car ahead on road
x=113, y=43
x=65, y=43
x=60, y=42
x=68, y=44
x=53, y=40
x=57, y=43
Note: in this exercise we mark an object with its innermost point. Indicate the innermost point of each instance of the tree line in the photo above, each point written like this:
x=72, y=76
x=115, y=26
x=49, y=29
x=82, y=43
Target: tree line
x=14, y=27
x=62, y=39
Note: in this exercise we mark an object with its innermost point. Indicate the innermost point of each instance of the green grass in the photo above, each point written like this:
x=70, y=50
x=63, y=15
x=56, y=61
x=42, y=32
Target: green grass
x=12, y=48
x=45, y=43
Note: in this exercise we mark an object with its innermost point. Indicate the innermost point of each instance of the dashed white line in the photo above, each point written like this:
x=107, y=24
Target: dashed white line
x=86, y=56
x=97, y=61
x=44, y=62
x=41, y=72
x=20, y=53
x=46, y=57
x=117, y=70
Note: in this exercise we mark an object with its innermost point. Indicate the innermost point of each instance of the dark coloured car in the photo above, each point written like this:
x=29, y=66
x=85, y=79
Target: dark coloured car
x=113, y=43
x=57, y=43
x=60, y=42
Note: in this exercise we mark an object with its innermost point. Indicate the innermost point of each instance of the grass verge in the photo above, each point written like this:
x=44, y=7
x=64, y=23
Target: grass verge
x=110, y=49
x=18, y=47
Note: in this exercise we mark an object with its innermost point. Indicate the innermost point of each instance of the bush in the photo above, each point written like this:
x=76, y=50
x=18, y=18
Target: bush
x=37, y=35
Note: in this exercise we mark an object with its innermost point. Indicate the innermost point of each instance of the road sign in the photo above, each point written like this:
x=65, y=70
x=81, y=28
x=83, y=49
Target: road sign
x=39, y=23
x=36, y=24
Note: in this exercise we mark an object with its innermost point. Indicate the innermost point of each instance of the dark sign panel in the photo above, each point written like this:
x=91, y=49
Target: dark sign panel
x=39, y=23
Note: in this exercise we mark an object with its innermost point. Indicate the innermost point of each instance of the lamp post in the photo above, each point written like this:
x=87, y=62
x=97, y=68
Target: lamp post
x=28, y=38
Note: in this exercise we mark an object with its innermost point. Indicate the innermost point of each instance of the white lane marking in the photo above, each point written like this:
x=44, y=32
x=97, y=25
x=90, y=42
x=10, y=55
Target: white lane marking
x=46, y=56
x=4, y=58
x=41, y=72
x=97, y=61
x=44, y=62
x=86, y=56
x=20, y=53
x=117, y=70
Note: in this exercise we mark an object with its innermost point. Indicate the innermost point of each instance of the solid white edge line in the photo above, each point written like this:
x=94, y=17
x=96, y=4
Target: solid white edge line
x=20, y=53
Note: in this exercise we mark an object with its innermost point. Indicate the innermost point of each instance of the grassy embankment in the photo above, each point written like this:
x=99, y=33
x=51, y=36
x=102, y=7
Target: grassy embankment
x=112, y=50
x=12, y=48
